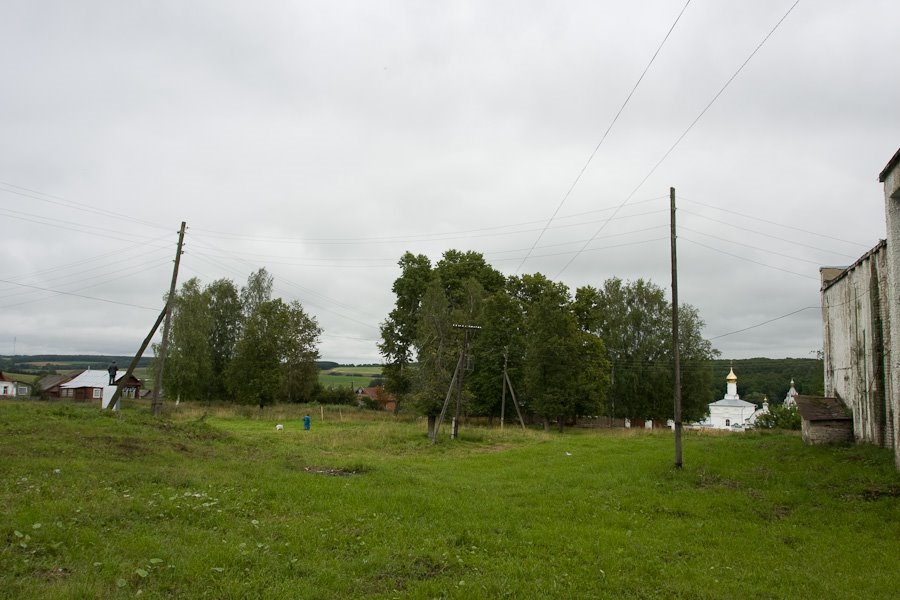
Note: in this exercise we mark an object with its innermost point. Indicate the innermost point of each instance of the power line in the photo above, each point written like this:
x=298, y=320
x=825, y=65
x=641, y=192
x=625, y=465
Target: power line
x=799, y=310
x=69, y=226
x=51, y=199
x=684, y=133
x=750, y=260
x=764, y=234
x=426, y=237
x=603, y=138
x=79, y=295
x=777, y=224
x=727, y=241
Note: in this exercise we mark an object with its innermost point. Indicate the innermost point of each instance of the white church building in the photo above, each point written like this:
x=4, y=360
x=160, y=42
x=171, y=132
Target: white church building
x=731, y=412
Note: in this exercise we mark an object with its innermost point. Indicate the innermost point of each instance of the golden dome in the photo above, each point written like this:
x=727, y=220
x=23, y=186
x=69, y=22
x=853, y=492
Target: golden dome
x=731, y=376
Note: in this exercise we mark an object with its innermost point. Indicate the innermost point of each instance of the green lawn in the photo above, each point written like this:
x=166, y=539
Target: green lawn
x=213, y=502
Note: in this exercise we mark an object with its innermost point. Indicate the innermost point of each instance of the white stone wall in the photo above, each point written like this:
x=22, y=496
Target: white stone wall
x=892, y=216
x=856, y=330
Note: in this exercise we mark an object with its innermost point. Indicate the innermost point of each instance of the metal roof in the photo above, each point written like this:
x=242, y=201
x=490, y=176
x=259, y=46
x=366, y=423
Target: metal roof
x=91, y=379
x=816, y=408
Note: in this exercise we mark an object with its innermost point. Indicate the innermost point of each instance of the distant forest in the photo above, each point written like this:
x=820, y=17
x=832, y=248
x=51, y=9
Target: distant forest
x=50, y=363
x=769, y=377
x=38, y=364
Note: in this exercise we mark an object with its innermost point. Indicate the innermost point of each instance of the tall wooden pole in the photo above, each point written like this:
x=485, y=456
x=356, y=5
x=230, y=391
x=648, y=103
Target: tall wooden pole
x=156, y=404
x=503, y=399
x=675, y=351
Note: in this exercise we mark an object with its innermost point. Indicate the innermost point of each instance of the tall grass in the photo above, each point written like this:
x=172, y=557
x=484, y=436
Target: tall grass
x=212, y=501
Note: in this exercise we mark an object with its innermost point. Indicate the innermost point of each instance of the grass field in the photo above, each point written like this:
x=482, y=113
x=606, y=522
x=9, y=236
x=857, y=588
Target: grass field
x=348, y=376
x=214, y=503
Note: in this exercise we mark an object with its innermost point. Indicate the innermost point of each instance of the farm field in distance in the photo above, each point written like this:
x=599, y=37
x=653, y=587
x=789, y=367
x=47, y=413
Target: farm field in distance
x=211, y=501
x=348, y=376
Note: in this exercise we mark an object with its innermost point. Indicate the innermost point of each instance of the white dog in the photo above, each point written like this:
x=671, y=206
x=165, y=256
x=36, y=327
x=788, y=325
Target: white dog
x=279, y=427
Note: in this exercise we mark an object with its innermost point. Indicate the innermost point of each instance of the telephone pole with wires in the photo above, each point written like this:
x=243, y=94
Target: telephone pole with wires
x=155, y=405
x=675, y=353
x=456, y=382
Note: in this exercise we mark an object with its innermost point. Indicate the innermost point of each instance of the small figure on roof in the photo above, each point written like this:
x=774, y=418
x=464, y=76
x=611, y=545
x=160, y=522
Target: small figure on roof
x=112, y=369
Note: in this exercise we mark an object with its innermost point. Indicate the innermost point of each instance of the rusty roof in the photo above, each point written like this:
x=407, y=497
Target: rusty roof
x=817, y=408
x=891, y=164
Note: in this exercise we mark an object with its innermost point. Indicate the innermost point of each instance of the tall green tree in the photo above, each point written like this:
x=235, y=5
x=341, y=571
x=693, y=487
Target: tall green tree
x=634, y=321
x=188, y=371
x=499, y=344
x=225, y=313
x=275, y=355
x=299, y=354
x=257, y=291
x=564, y=368
x=399, y=329
x=438, y=348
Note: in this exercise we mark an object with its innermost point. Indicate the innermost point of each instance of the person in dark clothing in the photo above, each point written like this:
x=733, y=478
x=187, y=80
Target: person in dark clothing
x=112, y=373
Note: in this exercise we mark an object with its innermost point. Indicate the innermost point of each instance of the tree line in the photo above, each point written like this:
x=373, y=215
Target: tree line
x=599, y=351
x=240, y=345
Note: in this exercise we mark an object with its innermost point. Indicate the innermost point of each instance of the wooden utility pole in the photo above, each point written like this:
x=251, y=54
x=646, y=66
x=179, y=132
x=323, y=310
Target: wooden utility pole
x=156, y=404
x=134, y=361
x=675, y=351
x=455, y=382
x=508, y=383
x=437, y=426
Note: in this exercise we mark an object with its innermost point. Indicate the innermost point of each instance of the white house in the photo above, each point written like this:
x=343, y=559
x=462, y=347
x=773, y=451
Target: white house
x=10, y=388
x=94, y=385
x=731, y=412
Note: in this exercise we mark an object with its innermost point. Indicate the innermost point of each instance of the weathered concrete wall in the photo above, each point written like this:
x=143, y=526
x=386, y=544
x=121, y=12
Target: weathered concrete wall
x=891, y=179
x=857, y=328
x=827, y=432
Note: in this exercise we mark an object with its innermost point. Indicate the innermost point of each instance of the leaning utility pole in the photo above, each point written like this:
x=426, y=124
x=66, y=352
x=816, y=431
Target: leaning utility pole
x=156, y=404
x=457, y=382
x=508, y=383
x=675, y=352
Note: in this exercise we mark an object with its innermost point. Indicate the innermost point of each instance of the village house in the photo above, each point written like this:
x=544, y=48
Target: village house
x=48, y=385
x=860, y=303
x=10, y=388
x=94, y=385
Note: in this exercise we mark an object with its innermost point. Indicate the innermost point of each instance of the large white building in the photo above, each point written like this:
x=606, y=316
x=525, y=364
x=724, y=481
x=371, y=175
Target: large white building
x=731, y=412
x=861, y=321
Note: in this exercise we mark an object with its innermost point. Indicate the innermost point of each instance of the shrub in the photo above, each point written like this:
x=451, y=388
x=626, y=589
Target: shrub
x=779, y=417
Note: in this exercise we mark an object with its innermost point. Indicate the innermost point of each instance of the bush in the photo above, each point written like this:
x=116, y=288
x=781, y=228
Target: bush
x=779, y=417
x=341, y=395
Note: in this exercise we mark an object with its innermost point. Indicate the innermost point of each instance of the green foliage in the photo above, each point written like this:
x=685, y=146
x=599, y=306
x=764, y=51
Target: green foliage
x=634, y=320
x=188, y=373
x=245, y=347
x=779, y=417
x=275, y=356
x=340, y=395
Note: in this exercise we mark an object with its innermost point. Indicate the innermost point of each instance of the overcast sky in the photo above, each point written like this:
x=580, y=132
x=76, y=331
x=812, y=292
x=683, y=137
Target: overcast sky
x=322, y=140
